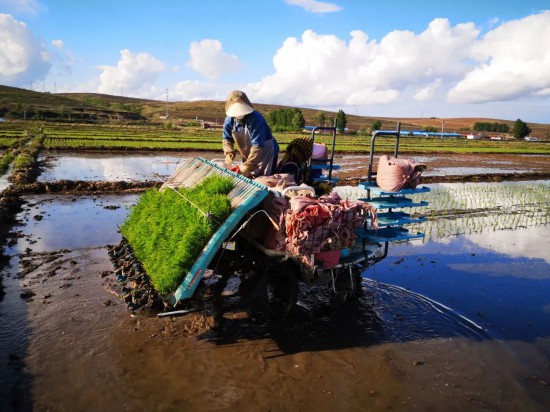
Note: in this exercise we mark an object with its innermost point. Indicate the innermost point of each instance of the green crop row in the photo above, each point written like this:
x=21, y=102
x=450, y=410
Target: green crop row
x=8, y=141
x=50, y=143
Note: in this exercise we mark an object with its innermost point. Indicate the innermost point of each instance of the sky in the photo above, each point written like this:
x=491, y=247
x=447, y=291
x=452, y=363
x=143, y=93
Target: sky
x=391, y=58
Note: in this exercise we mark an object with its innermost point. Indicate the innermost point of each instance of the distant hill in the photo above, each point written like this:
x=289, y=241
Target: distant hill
x=28, y=104
x=19, y=103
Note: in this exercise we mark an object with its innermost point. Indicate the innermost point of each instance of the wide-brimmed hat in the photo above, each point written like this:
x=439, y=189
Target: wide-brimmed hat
x=237, y=104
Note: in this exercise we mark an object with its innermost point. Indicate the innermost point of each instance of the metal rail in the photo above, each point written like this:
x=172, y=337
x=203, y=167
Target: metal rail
x=397, y=135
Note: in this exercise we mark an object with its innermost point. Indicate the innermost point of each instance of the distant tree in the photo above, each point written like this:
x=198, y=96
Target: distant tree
x=135, y=108
x=430, y=129
x=298, y=121
x=376, y=125
x=341, y=121
x=491, y=127
x=319, y=118
x=286, y=119
x=520, y=129
x=63, y=111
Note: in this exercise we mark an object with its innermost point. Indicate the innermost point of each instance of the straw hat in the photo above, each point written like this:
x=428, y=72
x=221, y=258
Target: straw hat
x=237, y=104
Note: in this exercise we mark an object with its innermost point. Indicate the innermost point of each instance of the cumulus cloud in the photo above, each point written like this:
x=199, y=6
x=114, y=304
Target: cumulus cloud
x=209, y=59
x=134, y=73
x=191, y=90
x=428, y=92
x=58, y=44
x=513, y=62
x=28, y=7
x=314, y=6
x=23, y=58
x=445, y=62
x=324, y=70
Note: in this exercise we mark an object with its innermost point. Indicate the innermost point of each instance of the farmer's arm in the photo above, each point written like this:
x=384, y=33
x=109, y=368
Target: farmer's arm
x=227, y=141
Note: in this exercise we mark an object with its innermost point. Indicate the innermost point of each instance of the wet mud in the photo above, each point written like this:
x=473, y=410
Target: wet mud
x=391, y=349
x=68, y=341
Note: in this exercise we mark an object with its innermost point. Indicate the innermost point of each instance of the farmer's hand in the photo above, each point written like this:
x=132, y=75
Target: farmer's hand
x=229, y=158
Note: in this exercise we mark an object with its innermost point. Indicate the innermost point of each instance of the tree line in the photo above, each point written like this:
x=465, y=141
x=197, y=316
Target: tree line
x=292, y=119
x=491, y=127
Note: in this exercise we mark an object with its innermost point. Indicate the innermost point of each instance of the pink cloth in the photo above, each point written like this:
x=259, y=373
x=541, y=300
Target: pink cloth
x=313, y=225
x=395, y=174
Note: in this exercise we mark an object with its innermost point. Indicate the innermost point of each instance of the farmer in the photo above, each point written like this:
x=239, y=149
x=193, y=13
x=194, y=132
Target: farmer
x=247, y=129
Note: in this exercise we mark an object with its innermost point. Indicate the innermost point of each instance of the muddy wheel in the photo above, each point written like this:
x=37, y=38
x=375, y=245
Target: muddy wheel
x=347, y=285
x=283, y=290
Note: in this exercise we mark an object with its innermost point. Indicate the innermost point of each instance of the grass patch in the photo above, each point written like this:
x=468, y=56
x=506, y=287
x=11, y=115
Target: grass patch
x=167, y=233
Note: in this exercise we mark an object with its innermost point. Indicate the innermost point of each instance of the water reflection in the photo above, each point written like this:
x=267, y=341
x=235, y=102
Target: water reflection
x=109, y=167
x=69, y=222
x=491, y=214
x=4, y=183
x=506, y=294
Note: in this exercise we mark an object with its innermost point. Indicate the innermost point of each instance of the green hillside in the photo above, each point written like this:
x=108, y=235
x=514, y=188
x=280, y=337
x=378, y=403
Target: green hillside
x=18, y=103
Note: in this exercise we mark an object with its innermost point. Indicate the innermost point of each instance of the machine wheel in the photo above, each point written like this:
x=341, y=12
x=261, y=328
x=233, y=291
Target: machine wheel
x=283, y=290
x=346, y=284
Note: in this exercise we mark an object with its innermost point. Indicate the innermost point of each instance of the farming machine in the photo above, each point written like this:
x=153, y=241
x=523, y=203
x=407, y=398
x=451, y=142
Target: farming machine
x=333, y=240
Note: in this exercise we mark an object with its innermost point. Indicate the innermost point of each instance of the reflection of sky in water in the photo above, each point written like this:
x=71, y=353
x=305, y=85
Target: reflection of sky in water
x=531, y=243
x=4, y=183
x=99, y=167
x=489, y=279
x=70, y=222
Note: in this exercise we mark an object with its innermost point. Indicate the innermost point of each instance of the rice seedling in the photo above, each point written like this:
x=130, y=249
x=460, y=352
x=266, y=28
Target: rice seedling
x=167, y=232
x=477, y=207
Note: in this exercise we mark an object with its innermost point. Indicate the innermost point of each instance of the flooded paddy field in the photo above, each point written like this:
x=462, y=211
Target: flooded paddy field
x=132, y=166
x=459, y=321
x=102, y=166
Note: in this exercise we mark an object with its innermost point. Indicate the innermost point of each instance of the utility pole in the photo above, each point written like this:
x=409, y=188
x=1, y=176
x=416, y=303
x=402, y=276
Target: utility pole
x=442, y=124
x=167, y=103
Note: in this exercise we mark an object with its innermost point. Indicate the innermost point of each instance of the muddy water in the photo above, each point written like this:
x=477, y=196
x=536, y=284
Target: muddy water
x=453, y=323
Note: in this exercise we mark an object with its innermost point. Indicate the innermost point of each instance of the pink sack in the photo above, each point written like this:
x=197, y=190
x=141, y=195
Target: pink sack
x=395, y=174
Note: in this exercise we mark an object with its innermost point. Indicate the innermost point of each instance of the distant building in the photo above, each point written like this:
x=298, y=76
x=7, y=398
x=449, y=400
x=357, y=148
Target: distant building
x=210, y=125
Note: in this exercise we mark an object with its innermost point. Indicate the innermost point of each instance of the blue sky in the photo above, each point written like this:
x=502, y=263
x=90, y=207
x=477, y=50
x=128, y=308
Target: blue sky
x=406, y=58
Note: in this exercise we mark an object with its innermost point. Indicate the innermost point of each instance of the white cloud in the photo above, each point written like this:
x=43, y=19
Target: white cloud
x=324, y=70
x=314, y=6
x=189, y=90
x=23, y=58
x=403, y=69
x=428, y=92
x=28, y=7
x=134, y=73
x=209, y=59
x=494, y=21
x=514, y=61
x=58, y=44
